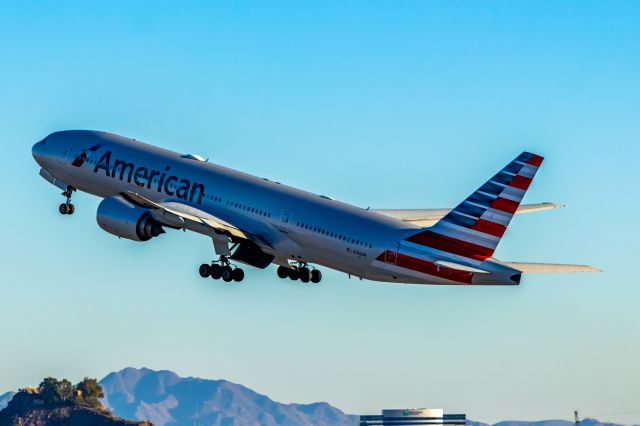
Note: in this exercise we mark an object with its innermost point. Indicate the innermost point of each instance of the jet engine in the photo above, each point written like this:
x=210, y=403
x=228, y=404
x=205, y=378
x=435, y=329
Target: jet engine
x=119, y=217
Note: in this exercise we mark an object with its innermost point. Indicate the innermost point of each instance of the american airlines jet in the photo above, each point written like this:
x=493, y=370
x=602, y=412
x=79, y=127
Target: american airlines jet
x=255, y=221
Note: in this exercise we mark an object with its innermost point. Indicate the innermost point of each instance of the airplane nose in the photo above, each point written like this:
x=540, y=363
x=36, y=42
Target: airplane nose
x=38, y=151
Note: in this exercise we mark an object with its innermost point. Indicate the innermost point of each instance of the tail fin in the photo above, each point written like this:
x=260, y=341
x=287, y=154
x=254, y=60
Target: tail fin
x=474, y=228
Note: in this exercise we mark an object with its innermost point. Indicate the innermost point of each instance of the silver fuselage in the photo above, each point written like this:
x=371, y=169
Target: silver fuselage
x=295, y=225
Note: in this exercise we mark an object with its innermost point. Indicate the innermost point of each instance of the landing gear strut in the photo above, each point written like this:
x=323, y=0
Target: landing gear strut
x=300, y=272
x=221, y=269
x=67, y=207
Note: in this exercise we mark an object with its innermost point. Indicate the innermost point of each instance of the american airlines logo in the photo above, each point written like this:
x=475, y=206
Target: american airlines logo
x=80, y=159
x=161, y=181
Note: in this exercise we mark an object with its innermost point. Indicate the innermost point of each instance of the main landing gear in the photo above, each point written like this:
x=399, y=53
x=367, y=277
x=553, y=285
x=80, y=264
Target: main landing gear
x=221, y=269
x=67, y=207
x=300, y=272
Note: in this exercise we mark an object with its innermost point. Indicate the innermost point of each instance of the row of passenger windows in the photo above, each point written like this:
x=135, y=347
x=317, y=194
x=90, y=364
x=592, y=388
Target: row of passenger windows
x=248, y=208
x=334, y=235
x=213, y=197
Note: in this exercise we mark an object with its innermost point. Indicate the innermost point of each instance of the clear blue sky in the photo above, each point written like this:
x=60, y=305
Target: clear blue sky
x=388, y=104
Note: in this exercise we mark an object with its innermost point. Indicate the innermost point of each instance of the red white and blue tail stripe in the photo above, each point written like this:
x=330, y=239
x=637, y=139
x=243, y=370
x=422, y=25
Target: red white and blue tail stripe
x=474, y=228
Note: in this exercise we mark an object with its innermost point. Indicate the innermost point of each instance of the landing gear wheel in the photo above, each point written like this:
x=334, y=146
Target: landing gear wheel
x=316, y=276
x=237, y=275
x=216, y=271
x=67, y=207
x=293, y=274
x=283, y=272
x=227, y=273
x=305, y=274
x=204, y=270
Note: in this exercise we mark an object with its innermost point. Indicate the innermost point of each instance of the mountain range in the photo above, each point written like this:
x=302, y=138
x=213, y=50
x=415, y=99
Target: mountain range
x=556, y=422
x=166, y=399
x=5, y=398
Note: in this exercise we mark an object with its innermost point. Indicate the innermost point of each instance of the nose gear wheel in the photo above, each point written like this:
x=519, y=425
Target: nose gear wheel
x=67, y=207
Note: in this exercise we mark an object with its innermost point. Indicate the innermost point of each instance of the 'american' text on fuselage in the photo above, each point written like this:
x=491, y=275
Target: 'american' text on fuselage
x=143, y=176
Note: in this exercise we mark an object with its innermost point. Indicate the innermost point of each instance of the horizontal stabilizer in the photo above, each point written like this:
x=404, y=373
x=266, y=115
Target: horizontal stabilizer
x=549, y=268
x=429, y=217
x=532, y=208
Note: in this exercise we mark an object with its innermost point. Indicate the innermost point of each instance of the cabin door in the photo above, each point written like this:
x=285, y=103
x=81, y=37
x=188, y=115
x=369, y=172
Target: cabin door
x=391, y=253
x=285, y=219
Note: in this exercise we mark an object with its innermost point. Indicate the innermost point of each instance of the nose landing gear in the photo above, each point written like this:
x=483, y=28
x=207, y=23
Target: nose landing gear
x=300, y=272
x=67, y=207
x=221, y=269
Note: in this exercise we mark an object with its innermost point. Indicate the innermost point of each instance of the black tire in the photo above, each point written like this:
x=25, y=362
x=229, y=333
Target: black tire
x=227, y=274
x=70, y=209
x=204, y=270
x=216, y=271
x=62, y=208
x=237, y=275
x=283, y=272
x=293, y=274
x=305, y=274
x=316, y=276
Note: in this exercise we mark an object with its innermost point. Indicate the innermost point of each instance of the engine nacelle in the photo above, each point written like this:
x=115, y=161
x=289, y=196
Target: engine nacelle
x=119, y=217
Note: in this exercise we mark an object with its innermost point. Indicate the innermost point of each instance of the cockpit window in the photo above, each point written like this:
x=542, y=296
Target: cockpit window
x=43, y=141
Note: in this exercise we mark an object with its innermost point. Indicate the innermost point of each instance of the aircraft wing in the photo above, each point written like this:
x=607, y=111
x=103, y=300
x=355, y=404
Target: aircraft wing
x=428, y=217
x=544, y=268
x=178, y=215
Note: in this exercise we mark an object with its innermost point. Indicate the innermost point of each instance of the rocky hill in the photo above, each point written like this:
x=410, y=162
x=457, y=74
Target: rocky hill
x=27, y=408
x=164, y=398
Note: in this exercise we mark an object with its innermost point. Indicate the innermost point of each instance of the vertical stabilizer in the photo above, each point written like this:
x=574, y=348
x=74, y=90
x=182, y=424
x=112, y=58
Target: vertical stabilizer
x=474, y=228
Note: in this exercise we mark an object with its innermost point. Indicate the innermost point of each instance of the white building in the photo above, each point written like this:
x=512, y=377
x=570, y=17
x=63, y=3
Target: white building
x=414, y=416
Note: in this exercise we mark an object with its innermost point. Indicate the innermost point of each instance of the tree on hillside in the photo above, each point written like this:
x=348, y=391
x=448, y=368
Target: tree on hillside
x=90, y=392
x=49, y=390
x=66, y=390
x=54, y=391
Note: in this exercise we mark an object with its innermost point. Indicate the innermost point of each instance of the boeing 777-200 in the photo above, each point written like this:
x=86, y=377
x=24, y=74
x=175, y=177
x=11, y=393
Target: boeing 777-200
x=255, y=221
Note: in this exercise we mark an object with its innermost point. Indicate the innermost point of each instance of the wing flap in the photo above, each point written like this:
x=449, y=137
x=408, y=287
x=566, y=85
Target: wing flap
x=184, y=216
x=549, y=268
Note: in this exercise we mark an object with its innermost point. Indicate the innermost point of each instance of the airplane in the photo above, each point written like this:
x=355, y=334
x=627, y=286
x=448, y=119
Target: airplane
x=258, y=222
